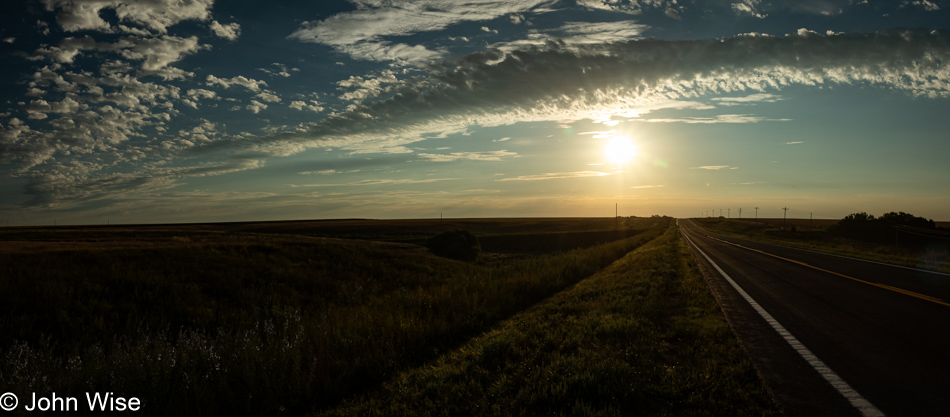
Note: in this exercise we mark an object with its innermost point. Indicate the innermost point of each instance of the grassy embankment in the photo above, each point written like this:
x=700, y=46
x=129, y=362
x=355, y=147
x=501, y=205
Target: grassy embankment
x=816, y=238
x=253, y=324
x=643, y=337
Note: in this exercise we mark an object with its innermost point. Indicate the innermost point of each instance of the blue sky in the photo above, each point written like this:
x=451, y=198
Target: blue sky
x=194, y=110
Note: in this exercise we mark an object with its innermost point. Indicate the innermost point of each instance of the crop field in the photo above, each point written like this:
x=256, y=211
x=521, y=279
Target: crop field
x=296, y=317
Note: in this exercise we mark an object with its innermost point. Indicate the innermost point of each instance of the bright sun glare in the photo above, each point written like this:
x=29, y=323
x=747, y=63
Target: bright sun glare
x=619, y=150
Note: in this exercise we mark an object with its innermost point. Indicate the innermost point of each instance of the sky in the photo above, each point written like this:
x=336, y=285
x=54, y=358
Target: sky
x=167, y=111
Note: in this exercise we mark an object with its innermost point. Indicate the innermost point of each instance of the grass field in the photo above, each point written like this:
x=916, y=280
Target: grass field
x=643, y=337
x=805, y=236
x=211, y=320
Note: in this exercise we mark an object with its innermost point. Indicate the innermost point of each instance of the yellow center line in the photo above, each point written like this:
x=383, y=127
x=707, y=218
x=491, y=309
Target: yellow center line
x=884, y=286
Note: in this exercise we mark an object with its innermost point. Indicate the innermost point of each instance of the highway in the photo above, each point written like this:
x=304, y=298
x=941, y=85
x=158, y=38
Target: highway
x=832, y=335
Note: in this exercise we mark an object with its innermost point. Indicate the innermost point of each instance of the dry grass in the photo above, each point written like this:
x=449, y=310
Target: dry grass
x=216, y=322
x=643, y=337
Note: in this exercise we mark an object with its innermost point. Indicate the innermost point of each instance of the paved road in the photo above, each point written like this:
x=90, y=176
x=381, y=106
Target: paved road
x=883, y=331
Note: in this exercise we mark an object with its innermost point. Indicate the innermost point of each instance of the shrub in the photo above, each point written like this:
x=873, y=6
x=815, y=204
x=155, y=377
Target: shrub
x=878, y=229
x=455, y=244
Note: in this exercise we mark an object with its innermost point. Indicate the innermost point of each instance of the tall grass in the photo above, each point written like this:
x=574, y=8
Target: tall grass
x=260, y=326
x=643, y=337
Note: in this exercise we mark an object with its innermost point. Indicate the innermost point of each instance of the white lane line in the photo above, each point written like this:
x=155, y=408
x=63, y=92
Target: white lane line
x=864, y=406
x=826, y=253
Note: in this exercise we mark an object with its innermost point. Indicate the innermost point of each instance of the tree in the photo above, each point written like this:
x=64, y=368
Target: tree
x=455, y=244
x=881, y=229
x=856, y=225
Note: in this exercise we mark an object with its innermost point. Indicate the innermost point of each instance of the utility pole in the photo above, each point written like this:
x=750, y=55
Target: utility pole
x=728, y=212
x=784, y=217
x=740, y=212
x=720, y=212
x=617, y=216
x=756, y=213
x=811, y=219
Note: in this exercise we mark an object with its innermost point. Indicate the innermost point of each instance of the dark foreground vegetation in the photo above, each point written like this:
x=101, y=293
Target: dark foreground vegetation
x=889, y=228
x=199, y=321
x=897, y=238
x=642, y=338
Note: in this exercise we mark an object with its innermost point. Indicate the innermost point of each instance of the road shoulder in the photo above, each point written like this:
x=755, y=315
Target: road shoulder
x=796, y=387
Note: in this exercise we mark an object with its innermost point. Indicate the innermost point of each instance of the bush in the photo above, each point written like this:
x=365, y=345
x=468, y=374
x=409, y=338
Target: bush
x=880, y=229
x=455, y=244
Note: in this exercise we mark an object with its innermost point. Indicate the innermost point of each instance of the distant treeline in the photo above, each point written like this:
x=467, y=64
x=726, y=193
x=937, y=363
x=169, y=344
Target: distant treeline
x=893, y=227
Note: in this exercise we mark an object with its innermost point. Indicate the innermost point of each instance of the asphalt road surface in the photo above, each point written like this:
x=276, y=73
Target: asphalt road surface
x=833, y=335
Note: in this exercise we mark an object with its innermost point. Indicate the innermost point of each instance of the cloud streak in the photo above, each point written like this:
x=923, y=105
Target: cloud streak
x=557, y=175
x=469, y=156
x=361, y=33
x=556, y=81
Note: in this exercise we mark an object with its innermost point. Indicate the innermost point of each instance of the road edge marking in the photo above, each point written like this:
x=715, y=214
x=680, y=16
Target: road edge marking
x=825, y=253
x=857, y=401
x=875, y=284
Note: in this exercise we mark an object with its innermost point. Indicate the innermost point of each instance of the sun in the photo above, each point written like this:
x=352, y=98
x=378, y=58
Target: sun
x=619, y=150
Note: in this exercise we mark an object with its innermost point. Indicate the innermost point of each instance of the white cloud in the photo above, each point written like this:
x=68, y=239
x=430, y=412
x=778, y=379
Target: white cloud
x=388, y=51
x=470, y=156
x=750, y=99
x=647, y=186
x=268, y=96
x=278, y=70
x=230, y=31
x=375, y=182
x=256, y=106
x=722, y=118
x=578, y=34
x=155, y=52
x=492, y=89
x=627, y=6
x=314, y=106
x=322, y=172
x=557, y=175
x=794, y=143
x=715, y=167
x=750, y=7
x=202, y=93
x=157, y=15
x=362, y=32
x=489, y=88
x=368, y=86
x=924, y=4
x=158, y=52
x=249, y=83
